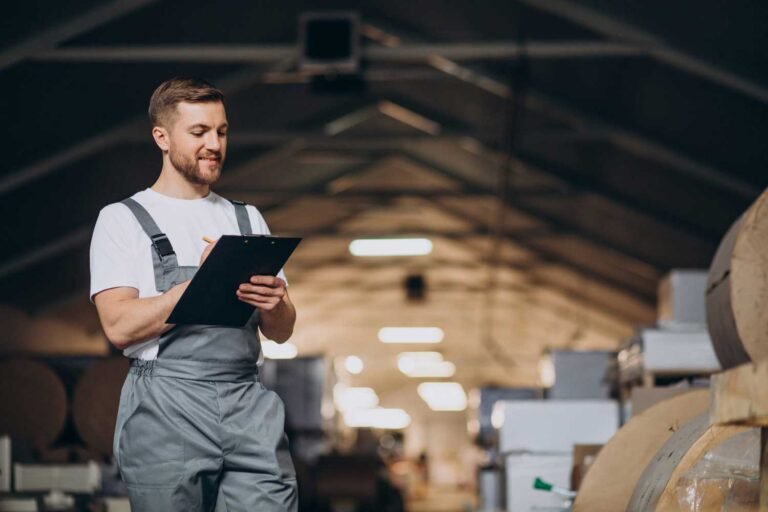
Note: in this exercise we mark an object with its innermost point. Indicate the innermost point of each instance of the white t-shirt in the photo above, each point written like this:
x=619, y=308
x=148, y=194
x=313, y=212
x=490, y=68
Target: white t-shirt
x=121, y=250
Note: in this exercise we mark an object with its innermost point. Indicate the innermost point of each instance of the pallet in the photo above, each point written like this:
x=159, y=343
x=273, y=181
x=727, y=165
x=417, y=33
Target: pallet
x=738, y=396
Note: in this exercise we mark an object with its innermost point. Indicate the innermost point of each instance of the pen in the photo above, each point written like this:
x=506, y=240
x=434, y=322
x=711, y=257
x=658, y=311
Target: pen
x=209, y=240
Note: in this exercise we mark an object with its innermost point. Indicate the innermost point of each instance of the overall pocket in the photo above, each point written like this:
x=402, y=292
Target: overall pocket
x=150, y=448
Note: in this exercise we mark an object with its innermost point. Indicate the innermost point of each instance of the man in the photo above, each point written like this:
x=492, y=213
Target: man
x=195, y=430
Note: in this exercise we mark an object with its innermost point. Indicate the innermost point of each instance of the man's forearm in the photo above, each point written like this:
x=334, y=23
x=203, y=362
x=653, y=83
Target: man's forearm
x=136, y=320
x=277, y=325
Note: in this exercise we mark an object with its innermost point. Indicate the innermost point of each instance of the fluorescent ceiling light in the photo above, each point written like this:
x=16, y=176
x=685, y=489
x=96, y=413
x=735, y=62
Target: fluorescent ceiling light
x=379, y=417
x=443, y=396
x=354, y=364
x=425, y=364
x=274, y=350
x=410, y=335
x=391, y=247
x=349, y=398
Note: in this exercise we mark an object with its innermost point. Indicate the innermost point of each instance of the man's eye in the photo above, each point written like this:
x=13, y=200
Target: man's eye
x=222, y=134
x=197, y=134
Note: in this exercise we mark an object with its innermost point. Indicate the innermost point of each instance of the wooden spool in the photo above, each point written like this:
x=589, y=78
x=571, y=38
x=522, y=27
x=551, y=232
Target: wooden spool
x=33, y=402
x=737, y=290
x=95, y=404
x=612, y=477
x=656, y=489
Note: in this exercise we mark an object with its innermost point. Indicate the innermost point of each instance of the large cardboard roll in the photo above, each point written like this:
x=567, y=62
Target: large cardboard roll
x=656, y=489
x=94, y=407
x=612, y=477
x=737, y=289
x=33, y=402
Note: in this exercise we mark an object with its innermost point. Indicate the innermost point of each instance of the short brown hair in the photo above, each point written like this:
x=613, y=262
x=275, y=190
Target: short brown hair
x=162, y=104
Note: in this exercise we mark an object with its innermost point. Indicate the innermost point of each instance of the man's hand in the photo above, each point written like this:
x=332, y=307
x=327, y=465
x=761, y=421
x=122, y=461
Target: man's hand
x=263, y=292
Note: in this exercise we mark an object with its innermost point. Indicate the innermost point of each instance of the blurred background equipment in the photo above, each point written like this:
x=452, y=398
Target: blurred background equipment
x=33, y=402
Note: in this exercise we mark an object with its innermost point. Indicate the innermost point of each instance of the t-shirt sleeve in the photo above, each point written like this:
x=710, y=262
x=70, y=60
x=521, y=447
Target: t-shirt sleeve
x=113, y=249
x=260, y=227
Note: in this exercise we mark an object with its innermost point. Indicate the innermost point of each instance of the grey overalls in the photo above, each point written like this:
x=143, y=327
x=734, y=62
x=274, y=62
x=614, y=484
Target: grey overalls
x=196, y=430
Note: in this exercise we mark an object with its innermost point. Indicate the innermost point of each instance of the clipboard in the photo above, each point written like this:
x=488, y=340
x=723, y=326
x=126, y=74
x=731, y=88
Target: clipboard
x=210, y=299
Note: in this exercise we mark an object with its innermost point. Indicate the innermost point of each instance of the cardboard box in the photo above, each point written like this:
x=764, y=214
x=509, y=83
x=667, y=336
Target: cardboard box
x=583, y=457
x=554, y=426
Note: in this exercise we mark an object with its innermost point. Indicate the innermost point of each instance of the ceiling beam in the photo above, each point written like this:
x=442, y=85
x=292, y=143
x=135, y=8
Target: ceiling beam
x=573, y=184
x=548, y=256
x=655, y=46
x=131, y=129
x=432, y=264
x=623, y=138
x=644, y=147
x=459, y=235
x=384, y=197
x=46, y=40
x=519, y=196
x=595, y=238
x=69, y=241
x=83, y=149
x=347, y=260
x=585, y=185
x=412, y=53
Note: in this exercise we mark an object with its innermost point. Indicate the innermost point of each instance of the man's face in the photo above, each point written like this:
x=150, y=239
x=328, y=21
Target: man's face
x=198, y=141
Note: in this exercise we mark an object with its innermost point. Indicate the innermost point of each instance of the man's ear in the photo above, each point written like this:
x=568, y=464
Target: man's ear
x=162, y=138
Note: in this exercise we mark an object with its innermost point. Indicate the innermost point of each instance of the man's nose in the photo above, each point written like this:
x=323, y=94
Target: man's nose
x=212, y=142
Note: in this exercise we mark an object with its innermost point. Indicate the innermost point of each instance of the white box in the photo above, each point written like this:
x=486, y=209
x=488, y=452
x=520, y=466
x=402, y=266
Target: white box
x=678, y=351
x=5, y=464
x=523, y=469
x=11, y=504
x=554, y=426
x=84, y=478
x=681, y=297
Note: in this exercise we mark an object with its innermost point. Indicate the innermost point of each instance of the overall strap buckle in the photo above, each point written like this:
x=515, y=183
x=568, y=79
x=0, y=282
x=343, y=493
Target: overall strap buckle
x=162, y=245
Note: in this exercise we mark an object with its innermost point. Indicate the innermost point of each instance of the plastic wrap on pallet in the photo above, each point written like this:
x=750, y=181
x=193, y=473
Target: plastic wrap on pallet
x=523, y=469
x=678, y=351
x=726, y=478
x=554, y=426
x=581, y=374
x=681, y=298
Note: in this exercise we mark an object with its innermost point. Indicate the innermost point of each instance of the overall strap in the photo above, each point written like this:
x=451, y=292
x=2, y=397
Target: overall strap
x=243, y=221
x=164, y=259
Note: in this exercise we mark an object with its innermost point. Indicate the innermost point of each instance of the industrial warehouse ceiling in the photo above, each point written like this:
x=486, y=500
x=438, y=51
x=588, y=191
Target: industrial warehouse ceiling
x=561, y=155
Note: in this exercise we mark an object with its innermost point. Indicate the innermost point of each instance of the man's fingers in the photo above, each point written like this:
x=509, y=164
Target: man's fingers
x=266, y=305
x=268, y=281
x=261, y=290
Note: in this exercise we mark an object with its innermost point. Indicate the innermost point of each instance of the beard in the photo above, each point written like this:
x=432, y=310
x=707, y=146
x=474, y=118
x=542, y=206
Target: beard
x=190, y=168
